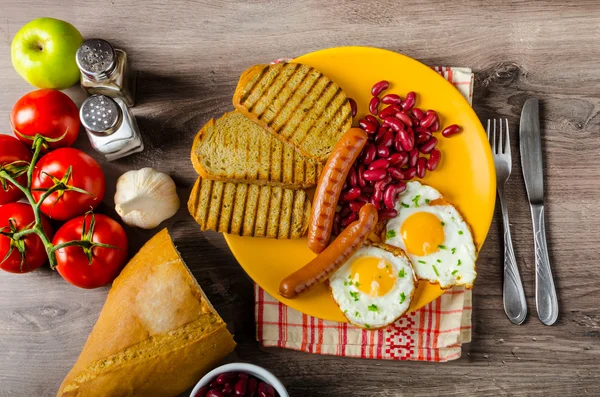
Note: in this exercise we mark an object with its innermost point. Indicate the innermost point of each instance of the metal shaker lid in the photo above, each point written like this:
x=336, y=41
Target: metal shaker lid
x=96, y=57
x=100, y=115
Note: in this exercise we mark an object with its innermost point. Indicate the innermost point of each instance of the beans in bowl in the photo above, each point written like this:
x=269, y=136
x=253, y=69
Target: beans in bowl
x=236, y=384
x=401, y=146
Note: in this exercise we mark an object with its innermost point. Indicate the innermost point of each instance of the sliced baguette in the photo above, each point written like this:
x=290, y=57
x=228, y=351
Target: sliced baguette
x=249, y=209
x=234, y=149
x=297, y=104
x=157, y=333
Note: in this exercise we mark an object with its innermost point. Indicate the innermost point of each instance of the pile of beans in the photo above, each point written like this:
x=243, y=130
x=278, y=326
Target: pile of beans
x=236, y=384
x=401, y=146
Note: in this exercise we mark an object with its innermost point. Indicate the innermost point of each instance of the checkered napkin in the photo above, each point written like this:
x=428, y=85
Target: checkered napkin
x=432, y=333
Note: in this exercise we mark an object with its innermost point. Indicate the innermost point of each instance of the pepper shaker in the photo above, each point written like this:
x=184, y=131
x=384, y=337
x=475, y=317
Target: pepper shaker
x=106, y=70
x=110, y=126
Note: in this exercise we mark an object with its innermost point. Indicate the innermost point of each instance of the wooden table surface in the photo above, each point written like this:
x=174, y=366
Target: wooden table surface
x=189, y=56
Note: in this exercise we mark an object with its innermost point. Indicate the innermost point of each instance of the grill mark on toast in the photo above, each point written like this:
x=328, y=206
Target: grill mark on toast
x=314, y=120
x=219, y=208
x=266, y=86
x=287, y=211
x=210, y=190
x=248, y=90
x=292, y=88
x=196, y=201
x=278, y=218
x=271, y=101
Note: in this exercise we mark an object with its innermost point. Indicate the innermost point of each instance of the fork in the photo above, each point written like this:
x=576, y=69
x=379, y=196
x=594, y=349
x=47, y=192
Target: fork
x=515, y=305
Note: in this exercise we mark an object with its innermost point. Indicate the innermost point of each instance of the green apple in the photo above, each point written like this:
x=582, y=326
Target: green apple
x=43, y=53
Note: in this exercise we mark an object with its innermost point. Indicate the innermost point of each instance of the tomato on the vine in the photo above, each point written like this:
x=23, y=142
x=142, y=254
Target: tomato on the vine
x=101, y=261
x=28, y=253
x=14, y=158
x=81, y=179
x=49, y=113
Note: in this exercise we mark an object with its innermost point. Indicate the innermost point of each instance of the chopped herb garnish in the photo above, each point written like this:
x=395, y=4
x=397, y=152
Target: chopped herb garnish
x=435, y=270
x=354, y=295
x=345, y=283
x=401, y=273
x=402, y=298
x=427, y=202
x=373, y=308
x=423, y=262
x=454, y=272
x=356, y=284
x=345, y=311
x=442, y=247
x=453, y=218
x=416, y=200
x=357, y=314
x=391, y=234
x=443, y=224
x=458, y=264
x=367, y=325
x=439, y=261
x=349, y=276
x=405, y=205
x=460, y=232
x=453, y=251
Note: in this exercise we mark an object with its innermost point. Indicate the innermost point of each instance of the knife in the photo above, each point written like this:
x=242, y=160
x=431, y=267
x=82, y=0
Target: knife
x=531, y=162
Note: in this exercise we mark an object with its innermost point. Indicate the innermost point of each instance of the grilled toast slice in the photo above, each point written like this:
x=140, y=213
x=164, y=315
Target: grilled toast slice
x=249, y=209
x=297, y=104
x=234, y=149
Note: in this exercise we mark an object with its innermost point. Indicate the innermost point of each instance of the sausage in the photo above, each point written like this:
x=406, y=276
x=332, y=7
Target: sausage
x=333, y=257
x=330, y=186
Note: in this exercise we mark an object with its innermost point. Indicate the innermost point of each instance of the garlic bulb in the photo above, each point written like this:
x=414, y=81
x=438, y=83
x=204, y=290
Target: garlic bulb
x=145, y=198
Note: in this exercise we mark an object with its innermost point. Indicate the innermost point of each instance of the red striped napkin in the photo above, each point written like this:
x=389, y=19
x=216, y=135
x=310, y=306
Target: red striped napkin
x=432, y=333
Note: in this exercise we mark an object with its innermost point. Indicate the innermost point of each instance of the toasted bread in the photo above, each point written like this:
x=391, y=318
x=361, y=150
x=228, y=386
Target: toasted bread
x=157, y=333
x=234, y=149
x=249, y=209
x=297, y=104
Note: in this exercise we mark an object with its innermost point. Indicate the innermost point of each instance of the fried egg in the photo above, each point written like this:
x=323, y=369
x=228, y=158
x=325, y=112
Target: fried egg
x=375, y=286
x=434, y=235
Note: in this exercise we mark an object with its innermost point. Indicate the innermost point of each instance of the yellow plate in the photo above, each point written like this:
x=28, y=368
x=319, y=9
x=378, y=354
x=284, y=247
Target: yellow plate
x=465, y=176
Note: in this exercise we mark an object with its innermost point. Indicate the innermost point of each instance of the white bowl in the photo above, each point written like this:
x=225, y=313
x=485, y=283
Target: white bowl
x=250, y=369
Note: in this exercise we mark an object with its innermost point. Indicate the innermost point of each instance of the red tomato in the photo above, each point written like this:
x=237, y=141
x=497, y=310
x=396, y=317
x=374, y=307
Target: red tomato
x=15, y=217
x=47, y=112
x=85, y=174
x=11, y=150
x=73, y=263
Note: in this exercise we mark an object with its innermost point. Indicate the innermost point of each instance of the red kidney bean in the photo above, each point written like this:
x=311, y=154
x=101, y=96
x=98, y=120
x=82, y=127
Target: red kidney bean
x=368, y=190
x=348, y=219
x=428, y=120
x=226, y=377
x=374, y=175
x=262, y=389
x=243, y=375
x=369, y=127
x=379, y=163
x=397, y=145
x=415, y=121
x=395, y=173
x=253, y=382
x=353, y=106
x=394, y=123
x=377, y=195
x=421, y=167
x=350, y=194
x=451, y=130
x=419, y=130
x=372, y=119
x=391, y=192
x=428, y=146
x=435, y=126
x=344, y=211
x=434, y=159
x=413, y=156
x=374, y=105
x=418, y=113
x=228, y=389
x=389, y=111
x=402, y=174
x=383, y=151
x=355, y=206
x=410, y=173
x=240, y=386
x=398, y=159
x=422, y=137
x=336, y=228
x=370, y=152
x=387, y=213
x=380, y=185
x=376, y=203
x=352, y=177
x=381, y=131
x=270, y=391
x=362, y=199
x=201, y=392
x=387, y=139
x=213, y=384
x=404, y=118
x=409, y=101
x=407, y=140
x=215, y=393
x=379, y=87
x=391, y=99
x=359, y=175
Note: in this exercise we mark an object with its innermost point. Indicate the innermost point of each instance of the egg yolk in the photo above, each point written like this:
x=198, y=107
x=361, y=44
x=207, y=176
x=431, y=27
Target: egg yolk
x=372, y=276
x=422, y=233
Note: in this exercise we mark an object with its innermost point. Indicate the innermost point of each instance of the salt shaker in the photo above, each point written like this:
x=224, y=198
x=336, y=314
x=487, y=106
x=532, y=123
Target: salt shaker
x=106, y=70
x=110, y=126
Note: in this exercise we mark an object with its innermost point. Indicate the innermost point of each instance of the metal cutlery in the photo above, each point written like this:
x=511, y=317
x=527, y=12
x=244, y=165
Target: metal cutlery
x=531, y=162
x=515, y=305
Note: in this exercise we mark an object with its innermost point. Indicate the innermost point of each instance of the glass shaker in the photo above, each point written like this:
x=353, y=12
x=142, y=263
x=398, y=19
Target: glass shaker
x=106, y=71
x=110, y=126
